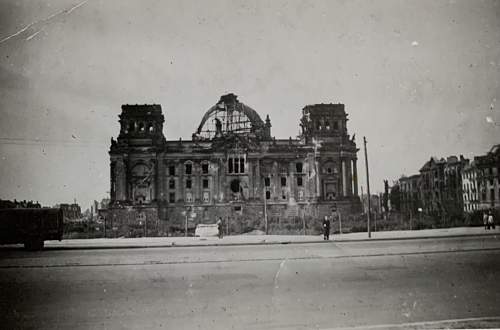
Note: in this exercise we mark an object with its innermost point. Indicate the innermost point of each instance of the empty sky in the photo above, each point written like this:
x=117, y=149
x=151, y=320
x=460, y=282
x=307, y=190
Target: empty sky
x=418, y=78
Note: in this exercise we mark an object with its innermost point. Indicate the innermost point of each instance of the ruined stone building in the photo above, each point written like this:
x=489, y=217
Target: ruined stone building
x=410, y=198
x=470, y=176
x=441, y=186
x=232, y=168
x=487, y=178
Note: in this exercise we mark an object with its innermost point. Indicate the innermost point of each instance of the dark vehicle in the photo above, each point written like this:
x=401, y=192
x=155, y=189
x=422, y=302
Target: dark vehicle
x=30, y=227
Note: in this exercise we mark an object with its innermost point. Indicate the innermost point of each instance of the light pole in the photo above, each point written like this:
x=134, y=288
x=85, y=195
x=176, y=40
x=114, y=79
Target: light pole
x=303, y=220
x=265, y=205
x=265, y=208
x=340, y=222
x=367, y=188
x=186, y=223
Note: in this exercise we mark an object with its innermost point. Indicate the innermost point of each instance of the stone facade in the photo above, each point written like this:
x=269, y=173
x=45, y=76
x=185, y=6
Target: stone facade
x=410, y=195
x=470, y=175
x=231, y=168
x=441, y=186
x=488, y=178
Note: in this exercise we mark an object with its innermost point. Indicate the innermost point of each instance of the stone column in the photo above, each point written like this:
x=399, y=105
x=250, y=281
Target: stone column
x=160, y=179
x=275, y=181
x=355, y=176
x=291, y=178
x=250, y=174
x=257, y=181
x=349, y=177
x=112, y=177
x=220, y=177
x=344, y=179
x=121, y=180
x=182, y=185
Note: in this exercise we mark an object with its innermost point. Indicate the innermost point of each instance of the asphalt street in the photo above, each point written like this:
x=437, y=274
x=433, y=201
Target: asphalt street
x=410, y=284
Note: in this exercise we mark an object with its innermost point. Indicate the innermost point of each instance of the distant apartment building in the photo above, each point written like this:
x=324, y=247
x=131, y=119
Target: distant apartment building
x=71, y=211
x=375, y=204
x=410, y=194
x=7, y=204
x=488, y=184
x=451, y=186
x=437, y=190
x=470, y=190
x=452, y=193
x=432, y=185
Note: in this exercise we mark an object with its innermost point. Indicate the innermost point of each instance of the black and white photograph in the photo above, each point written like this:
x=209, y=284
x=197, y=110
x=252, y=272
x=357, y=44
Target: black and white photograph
x=250, y=164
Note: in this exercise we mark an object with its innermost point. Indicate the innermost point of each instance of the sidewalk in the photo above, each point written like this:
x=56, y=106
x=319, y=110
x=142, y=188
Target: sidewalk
x=147, y=242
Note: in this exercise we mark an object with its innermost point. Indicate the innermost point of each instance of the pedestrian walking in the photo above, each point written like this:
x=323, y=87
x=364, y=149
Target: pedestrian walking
x=485, y=221
x=219, y=227
x=326, y=228
x=491, y=221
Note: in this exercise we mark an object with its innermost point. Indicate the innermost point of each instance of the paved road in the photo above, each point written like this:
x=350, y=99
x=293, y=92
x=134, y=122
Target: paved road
x=423, y=283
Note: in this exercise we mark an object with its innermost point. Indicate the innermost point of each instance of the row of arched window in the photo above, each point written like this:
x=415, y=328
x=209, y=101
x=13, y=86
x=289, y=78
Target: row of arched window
x=139, y=127
x=327, y=124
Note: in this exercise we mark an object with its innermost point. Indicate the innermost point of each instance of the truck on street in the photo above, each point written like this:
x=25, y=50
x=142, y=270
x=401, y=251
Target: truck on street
x=30, y=226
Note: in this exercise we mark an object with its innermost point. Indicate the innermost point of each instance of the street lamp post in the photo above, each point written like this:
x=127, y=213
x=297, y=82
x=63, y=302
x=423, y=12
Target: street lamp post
x=367, y=188
x=186, y=223
x=265, y=205
x=303, y=220
x=340, y=222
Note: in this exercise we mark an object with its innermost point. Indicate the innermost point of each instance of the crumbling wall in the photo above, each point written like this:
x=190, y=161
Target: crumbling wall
x=134, y=222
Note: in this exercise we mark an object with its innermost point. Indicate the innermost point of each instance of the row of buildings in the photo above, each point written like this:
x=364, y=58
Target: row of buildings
x=71, y=211
x=15, y=204
x=232, y=168
x=453, y=185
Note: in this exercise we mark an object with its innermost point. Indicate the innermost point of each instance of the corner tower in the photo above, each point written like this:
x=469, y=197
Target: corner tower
x=325, y=127
x=134, y=155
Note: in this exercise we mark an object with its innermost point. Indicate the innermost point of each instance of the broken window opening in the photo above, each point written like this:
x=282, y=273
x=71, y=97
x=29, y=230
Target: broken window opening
x=236, y=165
x=171, y=170
x=189, y=168
x=298, y=167
x=235, y=186
x=204, y=168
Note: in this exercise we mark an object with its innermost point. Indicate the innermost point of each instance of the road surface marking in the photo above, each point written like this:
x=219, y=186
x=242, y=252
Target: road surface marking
x=167, y=262
x=416, y=324
x=278, y=273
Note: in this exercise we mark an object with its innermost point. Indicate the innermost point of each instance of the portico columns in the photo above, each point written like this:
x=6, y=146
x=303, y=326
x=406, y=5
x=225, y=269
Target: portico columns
x=344, y=179
x=355, y=177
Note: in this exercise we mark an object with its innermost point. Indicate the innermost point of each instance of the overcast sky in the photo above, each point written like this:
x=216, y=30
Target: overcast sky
x=418, y=78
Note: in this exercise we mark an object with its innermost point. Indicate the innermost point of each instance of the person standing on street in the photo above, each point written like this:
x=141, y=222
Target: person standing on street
x=326, y=228
x=491, y=221
x=219, y=227
x=485, y=221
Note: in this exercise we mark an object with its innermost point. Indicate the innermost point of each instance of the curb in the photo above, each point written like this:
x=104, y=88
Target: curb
x=109, y=247
x=414, y=238
x=142, y=246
